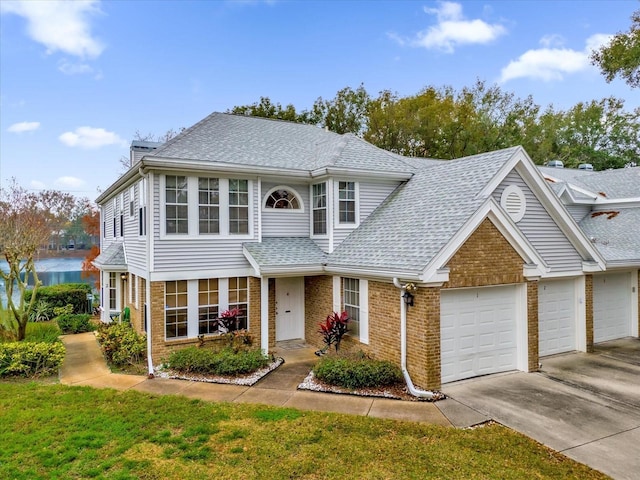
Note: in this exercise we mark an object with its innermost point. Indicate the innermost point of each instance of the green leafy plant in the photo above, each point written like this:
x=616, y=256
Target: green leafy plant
x=29, y=359
x=121, y=344
x=79, y=323
x=66, y=310
x=226, y=362
x=332, y=331
x=47, y=332
x=41, y=312
x=357, y=371
x=228, y=320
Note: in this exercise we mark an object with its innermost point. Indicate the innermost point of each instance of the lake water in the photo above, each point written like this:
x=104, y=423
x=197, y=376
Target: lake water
x=54, y=271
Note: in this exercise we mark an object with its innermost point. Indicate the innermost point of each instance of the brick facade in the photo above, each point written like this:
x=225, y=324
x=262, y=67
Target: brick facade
x=318, y=303
x=533, y=338
x=588, y=305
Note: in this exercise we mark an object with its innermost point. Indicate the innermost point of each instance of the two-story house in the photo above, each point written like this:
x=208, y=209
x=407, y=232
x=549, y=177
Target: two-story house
x=451, y=269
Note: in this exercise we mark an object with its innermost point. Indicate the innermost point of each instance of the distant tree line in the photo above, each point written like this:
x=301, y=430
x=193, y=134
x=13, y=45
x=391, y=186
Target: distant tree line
x=441, y=122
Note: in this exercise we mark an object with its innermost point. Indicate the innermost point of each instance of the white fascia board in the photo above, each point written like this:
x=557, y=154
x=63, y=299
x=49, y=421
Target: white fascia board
x=552, y=204
x=194, y=274
x=623, y=264
x=360, y=174
x=567, y=274
x=360, y=272
x=206, y=166
x=590, y=267
x=252, y=261
x=111, y=267
x=504, y=170
x=505, y=226
x=292, y=270
x=605, y=203
x=125, y=181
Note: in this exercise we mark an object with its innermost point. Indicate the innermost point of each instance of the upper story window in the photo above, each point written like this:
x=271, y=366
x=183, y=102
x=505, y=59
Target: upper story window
x=319, y=207
x=176, y=204
x=132, y=203
x=142, y=208
x=346, y=202
x=208, y=205
x=238, y=206
x=283, y=198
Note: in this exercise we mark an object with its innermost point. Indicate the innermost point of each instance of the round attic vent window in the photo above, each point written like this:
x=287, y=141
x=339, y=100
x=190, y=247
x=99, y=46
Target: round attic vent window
x=514, y=202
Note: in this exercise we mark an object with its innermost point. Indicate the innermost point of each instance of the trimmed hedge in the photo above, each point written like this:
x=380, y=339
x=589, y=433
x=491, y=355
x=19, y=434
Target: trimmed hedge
x=64, y=294
x=226, y=362
x=121, y=344
x=355, y=373
x=79, y=323
x=29, y=359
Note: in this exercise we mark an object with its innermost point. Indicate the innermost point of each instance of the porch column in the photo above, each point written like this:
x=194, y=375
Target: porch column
x=264, y=314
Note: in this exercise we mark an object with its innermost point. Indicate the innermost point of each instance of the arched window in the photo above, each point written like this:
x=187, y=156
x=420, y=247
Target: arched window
x=283, y=198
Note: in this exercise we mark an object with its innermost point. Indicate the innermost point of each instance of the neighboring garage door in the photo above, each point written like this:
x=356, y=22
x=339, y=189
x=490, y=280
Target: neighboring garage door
x=556, y=316
x=611, y=306
x=478, y=331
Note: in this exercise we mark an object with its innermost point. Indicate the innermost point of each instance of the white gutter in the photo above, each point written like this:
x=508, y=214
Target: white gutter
x=427, y=394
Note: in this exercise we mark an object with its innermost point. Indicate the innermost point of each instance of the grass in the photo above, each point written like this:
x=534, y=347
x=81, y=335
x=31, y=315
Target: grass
x=47, y=332
x=78, y=432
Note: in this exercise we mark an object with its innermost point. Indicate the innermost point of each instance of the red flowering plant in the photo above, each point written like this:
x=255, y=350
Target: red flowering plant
x=228, y=320
x=332, y=331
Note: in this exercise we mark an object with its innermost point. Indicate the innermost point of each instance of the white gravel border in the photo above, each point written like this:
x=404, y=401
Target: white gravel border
x=244, y=380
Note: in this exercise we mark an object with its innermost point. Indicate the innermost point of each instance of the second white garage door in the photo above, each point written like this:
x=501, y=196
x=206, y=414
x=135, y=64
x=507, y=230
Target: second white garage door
x=557, y=316
x=478, y=328
x=611, y=306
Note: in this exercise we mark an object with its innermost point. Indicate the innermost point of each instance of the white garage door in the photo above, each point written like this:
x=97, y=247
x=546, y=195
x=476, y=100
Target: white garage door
x=478, y=331
x=556, y=317
x=611, y=306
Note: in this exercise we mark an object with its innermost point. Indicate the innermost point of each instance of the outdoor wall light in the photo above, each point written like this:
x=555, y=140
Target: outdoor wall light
x=123, y=276
x=408, y=299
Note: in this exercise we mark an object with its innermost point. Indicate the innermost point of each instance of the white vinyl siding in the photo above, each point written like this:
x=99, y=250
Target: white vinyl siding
x=198, y=253
x=135, y=246
x=578, y=212
x=540, y=229
x=280, y=222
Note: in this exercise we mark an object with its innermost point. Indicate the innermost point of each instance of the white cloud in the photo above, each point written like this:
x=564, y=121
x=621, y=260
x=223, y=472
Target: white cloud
x=452, y=30
x=549, y=63
x=21, y=127
x=37, y=185
x=59, y=25
x=89, y=137
x=69, y=182
x=69, y=68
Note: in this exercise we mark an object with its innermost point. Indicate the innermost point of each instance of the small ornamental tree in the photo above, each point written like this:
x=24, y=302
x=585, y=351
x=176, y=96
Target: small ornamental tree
x=332, y=331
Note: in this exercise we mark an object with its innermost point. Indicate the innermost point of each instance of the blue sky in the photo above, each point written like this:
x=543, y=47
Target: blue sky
x=78, y=79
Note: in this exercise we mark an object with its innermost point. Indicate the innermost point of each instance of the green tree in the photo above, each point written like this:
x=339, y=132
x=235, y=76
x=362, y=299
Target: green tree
x=28, y=220
x=621, y=56
x=347, y=112
x=265, y=108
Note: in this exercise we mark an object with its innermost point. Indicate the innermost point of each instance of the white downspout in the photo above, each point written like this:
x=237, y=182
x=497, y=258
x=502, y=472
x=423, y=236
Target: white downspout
x=426, y=394
x=147, y=283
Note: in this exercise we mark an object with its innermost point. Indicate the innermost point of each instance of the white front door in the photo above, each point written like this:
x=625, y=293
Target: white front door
x=289, y=308
x=556, y=316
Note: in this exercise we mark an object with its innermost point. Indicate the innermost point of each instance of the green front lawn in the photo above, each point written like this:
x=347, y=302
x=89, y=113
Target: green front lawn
x=79, y=432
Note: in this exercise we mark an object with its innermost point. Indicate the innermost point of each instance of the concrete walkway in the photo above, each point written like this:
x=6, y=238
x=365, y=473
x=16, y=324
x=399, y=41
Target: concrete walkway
x=85, y=365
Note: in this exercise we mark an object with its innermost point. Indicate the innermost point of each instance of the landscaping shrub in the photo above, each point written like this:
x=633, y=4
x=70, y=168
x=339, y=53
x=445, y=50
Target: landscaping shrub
x=121, y=344
x=79, y=323
x=41, y=312
x=47, y=332
x=29, y=359
x=60, y=295
x=226, y=362
x=357, y=372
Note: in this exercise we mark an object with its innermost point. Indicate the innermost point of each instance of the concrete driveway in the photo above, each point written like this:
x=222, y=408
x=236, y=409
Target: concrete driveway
x=586, y=406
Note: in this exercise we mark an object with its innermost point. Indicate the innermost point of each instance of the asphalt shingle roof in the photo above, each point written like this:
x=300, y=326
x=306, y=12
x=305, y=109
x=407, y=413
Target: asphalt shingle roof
x=420, y=217
x=113, y=256
x=253, y=141
x=618, y=237
x=615, y=184
x=275, y=252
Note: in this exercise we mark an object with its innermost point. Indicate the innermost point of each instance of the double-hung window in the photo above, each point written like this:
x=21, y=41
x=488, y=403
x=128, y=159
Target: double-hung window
x=112, y=290
x=238, y=206
x=319, y=208
x=351, y=300
x=208, y=306
x=142, y=208
x=176, y=205
x=175, y=297
x=208, y=205
x=239, y=298
x=346, y=202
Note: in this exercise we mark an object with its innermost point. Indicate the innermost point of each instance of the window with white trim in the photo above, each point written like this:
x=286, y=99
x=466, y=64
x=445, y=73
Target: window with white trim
x=319, y=208
x=351, y=302
x=142, y=208
x=176, y=205
x=208, y=205
x=208, y=306
x=176, y=312
x=239, y=298
x=132, y=201
x=121, y=213
x=113, y=278
x=282, y=198
x=346, y=202
x=238, y=206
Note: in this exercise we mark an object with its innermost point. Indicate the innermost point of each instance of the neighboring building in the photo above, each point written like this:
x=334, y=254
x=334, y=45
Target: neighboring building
x=290, y=222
